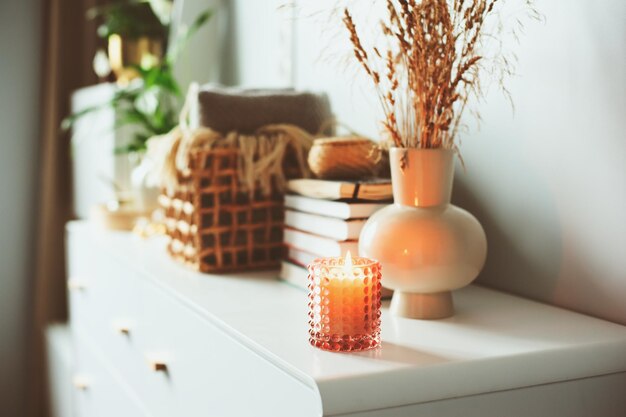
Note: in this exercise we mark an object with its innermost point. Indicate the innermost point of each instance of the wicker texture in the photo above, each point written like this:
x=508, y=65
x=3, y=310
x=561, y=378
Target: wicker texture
x=215, y=224
x=224, y=180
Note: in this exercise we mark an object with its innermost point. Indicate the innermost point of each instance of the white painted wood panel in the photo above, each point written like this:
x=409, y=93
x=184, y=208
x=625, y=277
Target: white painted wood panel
x=209, y=373
x=598, y=396
x=206, y=371
x=60, y=370
x=99, y=390
x=95, y=165
x=249, y=331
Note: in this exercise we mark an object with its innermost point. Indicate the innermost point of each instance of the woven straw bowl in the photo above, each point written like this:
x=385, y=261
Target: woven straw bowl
x=344, y=158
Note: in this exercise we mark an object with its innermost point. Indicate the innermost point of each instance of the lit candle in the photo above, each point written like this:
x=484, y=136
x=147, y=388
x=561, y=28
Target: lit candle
x=344, y=303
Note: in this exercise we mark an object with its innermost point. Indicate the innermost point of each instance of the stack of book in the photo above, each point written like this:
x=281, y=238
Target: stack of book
x=324, y=218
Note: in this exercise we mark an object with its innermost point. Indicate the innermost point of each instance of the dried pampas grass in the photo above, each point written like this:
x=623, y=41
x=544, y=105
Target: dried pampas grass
x=430, y=66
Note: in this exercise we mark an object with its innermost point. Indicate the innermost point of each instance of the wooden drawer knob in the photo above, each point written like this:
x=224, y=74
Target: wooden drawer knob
x=158, y=365
x=122, y=329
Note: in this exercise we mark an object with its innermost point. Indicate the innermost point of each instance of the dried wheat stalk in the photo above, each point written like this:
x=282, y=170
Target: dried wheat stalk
x=431, y=67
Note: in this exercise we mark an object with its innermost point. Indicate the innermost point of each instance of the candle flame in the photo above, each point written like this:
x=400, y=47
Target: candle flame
x=348, y=263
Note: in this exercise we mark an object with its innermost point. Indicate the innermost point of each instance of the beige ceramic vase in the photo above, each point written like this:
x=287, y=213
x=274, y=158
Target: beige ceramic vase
x=427, y=246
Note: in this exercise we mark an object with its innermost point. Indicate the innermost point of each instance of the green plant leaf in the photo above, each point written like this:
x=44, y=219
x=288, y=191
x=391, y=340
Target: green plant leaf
x=167, y=81
x=156, y=81
x=68, y=122
x=137, y=146
x=128, y=118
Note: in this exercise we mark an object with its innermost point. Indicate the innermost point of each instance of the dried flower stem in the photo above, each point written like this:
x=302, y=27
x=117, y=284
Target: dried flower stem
x=425, y=78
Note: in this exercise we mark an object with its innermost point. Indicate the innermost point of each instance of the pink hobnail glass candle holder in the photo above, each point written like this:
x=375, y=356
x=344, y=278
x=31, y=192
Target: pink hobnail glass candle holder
x=344, y=304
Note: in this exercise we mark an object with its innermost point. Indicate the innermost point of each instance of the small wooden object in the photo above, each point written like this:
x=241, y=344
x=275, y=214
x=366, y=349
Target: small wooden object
x=344, y=158
x=157, y=365
x=122, y=218
x=122, y=329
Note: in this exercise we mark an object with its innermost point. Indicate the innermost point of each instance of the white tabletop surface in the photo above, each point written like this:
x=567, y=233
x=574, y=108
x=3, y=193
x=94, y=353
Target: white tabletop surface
x=494, y=342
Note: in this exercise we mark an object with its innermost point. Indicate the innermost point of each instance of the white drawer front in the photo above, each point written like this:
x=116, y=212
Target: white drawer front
x=98, y=391
x=105, y=300
x=101, y=288
x=207, y=373
x=104, y=309
x=177, y=362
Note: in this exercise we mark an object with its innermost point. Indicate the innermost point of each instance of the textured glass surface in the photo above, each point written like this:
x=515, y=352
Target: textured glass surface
x=344, y=304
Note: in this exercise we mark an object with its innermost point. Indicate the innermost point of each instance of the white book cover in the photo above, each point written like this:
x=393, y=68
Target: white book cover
x=377, y=189
x=338, y=209
x=319, y=245
x=294, y=274
x=300, y=257
x=324, y=226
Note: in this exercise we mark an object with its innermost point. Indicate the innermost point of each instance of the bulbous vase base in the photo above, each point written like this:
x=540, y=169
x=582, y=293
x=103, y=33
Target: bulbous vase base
x=427, y=246
x=422, y=306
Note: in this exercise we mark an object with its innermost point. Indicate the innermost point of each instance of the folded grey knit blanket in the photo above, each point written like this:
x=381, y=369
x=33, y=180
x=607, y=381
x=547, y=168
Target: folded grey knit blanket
x=227, y=109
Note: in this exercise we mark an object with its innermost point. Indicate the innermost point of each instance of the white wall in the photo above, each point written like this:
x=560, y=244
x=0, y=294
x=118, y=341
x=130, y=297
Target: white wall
x=200, y=60
x=551, y=189
x=548, y=182
x=19, y=116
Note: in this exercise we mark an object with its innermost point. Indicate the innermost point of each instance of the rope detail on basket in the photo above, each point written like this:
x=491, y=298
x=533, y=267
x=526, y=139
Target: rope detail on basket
x=261, y=155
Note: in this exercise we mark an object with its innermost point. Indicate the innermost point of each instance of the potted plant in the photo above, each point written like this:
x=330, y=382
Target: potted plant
x=426, y=75
x=136, y=36
x=150, y=103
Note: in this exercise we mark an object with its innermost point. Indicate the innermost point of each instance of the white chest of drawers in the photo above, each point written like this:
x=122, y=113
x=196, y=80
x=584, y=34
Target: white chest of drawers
x=155, y=339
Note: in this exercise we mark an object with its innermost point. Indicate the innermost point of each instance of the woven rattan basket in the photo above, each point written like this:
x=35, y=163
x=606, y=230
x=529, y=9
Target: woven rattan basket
x=224, y=173
x=215, y=224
